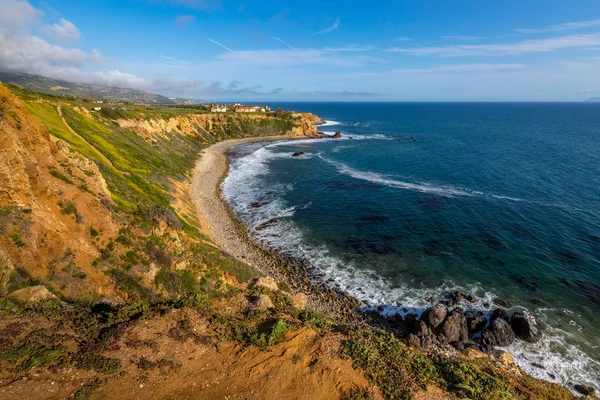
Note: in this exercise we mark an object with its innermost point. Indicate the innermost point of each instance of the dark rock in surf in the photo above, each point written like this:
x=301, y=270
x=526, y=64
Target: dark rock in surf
x=501, y=303
x=500, y=313
x=454, y=328
x=526, y=327
x=298, y=154
x=499, y=333
x=585, y=390
x=476, y=321
x=337, y=135
x=435, y=315
x=459, y=296
x=257, y=204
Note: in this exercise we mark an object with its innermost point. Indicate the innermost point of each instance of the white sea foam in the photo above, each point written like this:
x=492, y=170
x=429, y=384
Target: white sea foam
x=330, y=123
x=440, y=190
x=557, y=357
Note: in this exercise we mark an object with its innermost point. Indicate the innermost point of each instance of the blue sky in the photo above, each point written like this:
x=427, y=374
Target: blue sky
x=484, y=50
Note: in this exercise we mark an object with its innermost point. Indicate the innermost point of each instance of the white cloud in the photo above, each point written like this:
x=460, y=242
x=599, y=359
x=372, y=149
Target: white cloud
x=175, y=59
x=31, y=53
x=349, y=48
x=199, y=5
x=283, y=41
x=18, y=15
x=564, y=27
x=462, y=37
x=218, y=44
x=333, y=27
x=291, y=58
x=526, y=46
x=64, y=32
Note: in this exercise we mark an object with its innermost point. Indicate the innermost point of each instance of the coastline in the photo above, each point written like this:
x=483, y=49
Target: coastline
x=231, y=236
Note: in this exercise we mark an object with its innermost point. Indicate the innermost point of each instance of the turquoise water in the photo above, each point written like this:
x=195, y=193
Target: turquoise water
x=501, y=200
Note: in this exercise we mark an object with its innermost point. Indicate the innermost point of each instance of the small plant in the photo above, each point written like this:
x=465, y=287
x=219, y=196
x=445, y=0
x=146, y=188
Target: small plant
x=60, y=176
x=16, y=238
x=68, y=208
x=93, y=232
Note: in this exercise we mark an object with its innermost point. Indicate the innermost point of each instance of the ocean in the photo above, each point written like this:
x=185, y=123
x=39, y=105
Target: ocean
x=501, y=200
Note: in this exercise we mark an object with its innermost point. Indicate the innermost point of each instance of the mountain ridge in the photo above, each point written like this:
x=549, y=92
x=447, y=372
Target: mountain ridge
x=58, y=87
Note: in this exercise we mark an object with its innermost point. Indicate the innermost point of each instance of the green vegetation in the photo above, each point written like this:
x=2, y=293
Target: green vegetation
x=68, y=208
x=400, y=372
x=60, y=176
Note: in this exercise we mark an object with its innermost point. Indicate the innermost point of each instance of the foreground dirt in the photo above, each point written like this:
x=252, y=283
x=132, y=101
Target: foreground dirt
x=179, y=356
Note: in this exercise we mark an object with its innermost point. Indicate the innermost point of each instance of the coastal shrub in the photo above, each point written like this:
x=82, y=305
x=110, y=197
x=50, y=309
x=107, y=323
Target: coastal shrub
x=389, y=363
x=67, y=207
x=177, y=283
x=111, y=113
x=128, y=284
x=314, y=320
x=31, y=354
x=60, y=176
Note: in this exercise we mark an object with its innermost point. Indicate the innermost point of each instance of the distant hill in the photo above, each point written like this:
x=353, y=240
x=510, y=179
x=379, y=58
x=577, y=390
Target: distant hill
x=593, y=100
x=38, y=83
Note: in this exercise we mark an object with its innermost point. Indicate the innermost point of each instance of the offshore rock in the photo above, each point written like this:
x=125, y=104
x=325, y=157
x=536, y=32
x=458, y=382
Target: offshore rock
x=526, y=327
x=337, y=135
x=298, y=154
x=499, y=333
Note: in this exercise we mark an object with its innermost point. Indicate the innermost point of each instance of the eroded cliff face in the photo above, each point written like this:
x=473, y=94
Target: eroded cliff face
x=301, y=124
x=51, y=198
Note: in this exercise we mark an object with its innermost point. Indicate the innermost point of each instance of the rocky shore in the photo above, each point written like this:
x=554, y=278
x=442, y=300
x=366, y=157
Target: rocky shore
x=450, y=326
x=232, y=236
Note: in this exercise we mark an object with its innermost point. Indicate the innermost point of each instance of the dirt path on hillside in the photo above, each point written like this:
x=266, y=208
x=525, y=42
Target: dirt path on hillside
x=100, y=154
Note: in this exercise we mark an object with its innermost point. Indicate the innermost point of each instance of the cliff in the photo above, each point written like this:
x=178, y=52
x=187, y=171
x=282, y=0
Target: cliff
x=207, y=124
x=109, y=287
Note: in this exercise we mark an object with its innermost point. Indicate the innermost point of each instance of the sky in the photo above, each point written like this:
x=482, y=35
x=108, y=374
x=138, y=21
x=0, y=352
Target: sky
x=313, y=50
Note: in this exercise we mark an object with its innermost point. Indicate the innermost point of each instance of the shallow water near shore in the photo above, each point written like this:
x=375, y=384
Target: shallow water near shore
x=500, y=200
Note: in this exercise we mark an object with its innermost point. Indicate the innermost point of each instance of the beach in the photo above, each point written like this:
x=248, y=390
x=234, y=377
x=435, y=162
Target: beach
x=220, y=224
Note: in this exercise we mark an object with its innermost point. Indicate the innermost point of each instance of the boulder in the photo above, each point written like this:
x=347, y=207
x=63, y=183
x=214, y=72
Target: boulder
x=299, y=301
x=32, y=294
x=526, y=327
x=266, y=282
x=414, y=341
x=501, y=303
x=434, y=316
x=454, y=328
x=263, y=302
x=420, y=328
x=476, y=321
x=500, y=313
x=298, y=154
x=499, y=333
x=337, y=135
x=459, y=296
x=585, y=390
